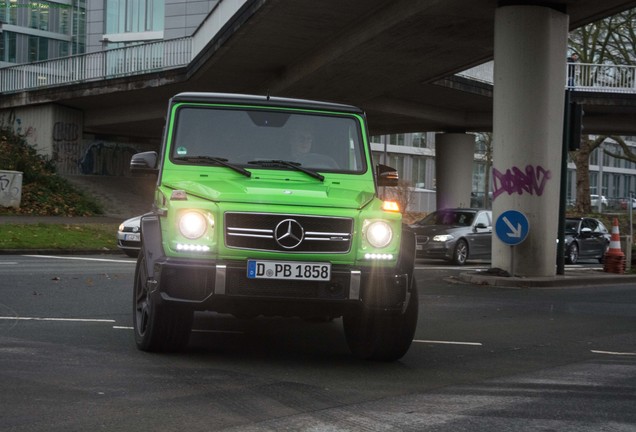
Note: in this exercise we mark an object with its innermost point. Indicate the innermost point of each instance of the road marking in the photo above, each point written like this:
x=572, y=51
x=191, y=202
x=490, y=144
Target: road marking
x=448, y=342
x=614, y=353
x=8, y=263
x=81, y=258
x=56, y=319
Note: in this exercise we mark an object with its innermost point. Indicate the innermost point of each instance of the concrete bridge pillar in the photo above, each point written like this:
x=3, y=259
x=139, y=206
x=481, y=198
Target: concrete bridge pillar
x=454, y=155
x=529, y=83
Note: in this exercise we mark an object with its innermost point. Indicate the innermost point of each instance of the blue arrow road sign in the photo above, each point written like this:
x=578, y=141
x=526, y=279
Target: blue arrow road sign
x=512, y=227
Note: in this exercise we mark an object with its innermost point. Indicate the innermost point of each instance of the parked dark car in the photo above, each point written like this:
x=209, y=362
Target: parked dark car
x=129, y=236
x=585, y=238
x=456, y=235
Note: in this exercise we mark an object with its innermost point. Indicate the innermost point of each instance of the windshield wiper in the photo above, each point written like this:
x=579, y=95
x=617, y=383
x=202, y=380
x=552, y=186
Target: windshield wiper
x=212, y=160
x=289, y=164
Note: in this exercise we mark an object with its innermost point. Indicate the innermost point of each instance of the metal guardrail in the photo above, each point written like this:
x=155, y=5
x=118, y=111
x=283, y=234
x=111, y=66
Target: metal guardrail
x=581, y=76
x=161, y=55
x=112, y=63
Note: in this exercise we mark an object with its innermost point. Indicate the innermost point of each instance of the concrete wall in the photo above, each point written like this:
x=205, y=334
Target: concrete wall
x=182, y=17
x=56, y=132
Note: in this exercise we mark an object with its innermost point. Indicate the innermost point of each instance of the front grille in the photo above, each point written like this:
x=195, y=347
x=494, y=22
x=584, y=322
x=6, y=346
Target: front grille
x=422, y=239
x=288, y=233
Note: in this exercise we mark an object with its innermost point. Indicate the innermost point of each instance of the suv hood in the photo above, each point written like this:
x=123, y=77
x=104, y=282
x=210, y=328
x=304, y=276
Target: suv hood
x=432, y=230
x=283, y=192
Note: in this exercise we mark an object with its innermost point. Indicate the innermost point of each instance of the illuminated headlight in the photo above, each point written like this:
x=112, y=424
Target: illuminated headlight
x=443, y=238
x=192, y=225
x=379, y=234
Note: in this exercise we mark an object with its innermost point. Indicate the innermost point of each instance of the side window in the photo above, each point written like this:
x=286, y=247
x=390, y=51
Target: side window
x=483, y=218
x=591, y=224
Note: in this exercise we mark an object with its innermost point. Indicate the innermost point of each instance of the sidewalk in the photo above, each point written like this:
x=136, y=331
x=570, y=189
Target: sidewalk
x=573, y=277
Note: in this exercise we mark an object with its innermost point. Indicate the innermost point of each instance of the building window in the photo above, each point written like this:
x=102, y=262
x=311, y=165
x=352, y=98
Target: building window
x=9, y=12
x=419, y=139
x=418, y=177
x=134, y=16
x=38, y=48
x=8, y=47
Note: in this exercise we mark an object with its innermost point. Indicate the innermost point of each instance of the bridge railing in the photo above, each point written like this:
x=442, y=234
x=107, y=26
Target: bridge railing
x=112, y=63
x=168, y=54
x=580, y=76
x=602, y=77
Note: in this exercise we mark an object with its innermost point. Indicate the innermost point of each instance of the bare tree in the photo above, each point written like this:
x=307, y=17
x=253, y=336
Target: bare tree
x=608, y=41
x=581, y=159
x=484, y=144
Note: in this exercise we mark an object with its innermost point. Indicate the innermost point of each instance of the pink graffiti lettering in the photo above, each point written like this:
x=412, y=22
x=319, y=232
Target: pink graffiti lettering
x=532, y=181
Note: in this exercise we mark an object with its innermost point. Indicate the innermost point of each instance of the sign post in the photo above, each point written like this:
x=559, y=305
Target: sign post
x=512, y=228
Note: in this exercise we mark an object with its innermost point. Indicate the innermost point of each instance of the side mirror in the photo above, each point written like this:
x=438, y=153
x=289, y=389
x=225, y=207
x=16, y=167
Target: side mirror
x=387, y=176
x=145, y=162
x=481, y=225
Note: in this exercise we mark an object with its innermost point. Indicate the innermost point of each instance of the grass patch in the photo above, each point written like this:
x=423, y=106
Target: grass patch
x=88, y=236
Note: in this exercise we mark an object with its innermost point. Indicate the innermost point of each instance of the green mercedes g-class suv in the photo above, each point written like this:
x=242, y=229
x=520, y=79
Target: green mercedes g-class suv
x=269, y=206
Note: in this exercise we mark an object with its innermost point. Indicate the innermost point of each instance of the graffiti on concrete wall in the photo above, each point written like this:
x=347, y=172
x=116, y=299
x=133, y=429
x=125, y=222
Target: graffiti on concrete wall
x=532, y=180
x=106, y=159
x=71, y=156
x=66, y=147
x=10, y=188
x=13, y=121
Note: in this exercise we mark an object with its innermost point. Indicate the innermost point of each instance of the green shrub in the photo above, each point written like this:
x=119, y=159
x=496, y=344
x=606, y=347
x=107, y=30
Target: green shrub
x=44, y=193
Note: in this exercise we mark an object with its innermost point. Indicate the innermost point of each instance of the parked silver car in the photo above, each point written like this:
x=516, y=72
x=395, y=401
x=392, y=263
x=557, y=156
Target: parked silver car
x=129, y=236
x=456, y=235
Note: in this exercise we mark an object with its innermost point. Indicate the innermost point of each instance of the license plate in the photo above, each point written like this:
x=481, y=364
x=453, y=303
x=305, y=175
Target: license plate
x=419, y=247
x=132, y=237
x=289, y=270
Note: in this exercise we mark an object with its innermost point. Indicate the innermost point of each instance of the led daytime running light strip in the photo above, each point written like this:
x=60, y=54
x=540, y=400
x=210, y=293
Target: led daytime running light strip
x=192, y=248
x=378, y=256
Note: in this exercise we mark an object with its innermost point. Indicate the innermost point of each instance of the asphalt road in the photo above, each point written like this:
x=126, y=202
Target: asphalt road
x=484, y=358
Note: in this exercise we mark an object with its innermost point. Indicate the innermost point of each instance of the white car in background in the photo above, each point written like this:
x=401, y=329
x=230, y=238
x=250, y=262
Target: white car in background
x=594, y=201
x=129, y=236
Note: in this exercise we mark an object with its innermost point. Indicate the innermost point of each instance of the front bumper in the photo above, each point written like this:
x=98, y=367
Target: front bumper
x=433, y=250
x=224, y=286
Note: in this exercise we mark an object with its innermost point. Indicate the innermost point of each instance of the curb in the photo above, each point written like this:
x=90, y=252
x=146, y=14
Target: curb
x=61, y=252
x=579, y=279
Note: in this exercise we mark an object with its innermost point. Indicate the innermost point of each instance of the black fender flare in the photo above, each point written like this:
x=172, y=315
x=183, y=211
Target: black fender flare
x=150, y=227
x=406, y=260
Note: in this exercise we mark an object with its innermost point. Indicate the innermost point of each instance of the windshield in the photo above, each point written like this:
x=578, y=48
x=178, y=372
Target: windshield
x=450, y=217
x=253, y=138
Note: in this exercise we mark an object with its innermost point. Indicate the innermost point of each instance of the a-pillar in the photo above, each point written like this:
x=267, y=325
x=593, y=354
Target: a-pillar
x=529, y=85
x=454, y=156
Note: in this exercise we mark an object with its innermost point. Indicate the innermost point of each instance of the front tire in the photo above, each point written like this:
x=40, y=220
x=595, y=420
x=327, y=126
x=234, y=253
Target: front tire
x=373, y=335
x=460, y=254
x=572, y=254
x=157, y=327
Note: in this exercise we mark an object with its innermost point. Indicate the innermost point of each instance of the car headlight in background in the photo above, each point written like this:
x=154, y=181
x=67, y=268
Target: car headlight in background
x=442, y=237
x=193, y=225
x=378, y=233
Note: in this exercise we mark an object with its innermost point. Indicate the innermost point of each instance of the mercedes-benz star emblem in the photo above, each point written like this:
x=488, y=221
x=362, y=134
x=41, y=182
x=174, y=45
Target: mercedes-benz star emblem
x=289, y=234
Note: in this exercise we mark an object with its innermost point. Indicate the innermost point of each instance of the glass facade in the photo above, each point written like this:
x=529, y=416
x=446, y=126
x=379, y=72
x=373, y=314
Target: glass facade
x=42, y=30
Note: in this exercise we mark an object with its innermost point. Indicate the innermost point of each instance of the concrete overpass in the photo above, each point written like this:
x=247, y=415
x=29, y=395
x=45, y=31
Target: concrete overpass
x=394, y=59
